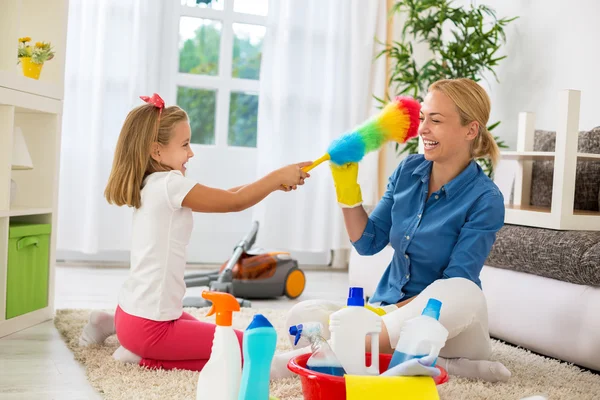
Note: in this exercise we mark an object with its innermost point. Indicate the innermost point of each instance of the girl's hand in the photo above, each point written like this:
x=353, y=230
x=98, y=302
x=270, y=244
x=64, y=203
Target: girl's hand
x=284, y=188
x=206, y=199
x=292, y=175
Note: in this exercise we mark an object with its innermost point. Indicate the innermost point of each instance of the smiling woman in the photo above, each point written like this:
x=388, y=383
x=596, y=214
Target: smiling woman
x=440, y=201
x=454, y=115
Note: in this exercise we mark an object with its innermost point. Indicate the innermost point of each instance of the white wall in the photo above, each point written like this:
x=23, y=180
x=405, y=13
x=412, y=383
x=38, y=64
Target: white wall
x=421, y=54
x=554, y=45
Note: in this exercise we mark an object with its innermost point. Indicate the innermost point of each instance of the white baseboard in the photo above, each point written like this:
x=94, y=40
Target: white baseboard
x=122, y=257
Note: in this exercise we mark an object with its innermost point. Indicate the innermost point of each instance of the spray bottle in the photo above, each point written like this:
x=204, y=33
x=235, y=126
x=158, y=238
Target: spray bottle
x=220, y=377
x=260, y=340
x=323, y=358
x=421, y=336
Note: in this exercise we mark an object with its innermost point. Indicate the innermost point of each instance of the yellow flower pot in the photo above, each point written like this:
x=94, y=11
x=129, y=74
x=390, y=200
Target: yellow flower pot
x=30, y=69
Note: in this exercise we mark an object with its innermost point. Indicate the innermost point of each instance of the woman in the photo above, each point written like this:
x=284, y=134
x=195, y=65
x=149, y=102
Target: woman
x=440, y=213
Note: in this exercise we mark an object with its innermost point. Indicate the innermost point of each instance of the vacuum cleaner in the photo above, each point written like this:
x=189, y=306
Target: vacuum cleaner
x=250, y=274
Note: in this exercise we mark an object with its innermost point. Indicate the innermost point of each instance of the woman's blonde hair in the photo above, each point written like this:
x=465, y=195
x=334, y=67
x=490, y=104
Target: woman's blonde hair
x=132, y=162
x=473, y=104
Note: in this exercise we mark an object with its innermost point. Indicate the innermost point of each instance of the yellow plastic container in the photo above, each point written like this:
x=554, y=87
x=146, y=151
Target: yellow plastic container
x=390, y=387
x=30, y=69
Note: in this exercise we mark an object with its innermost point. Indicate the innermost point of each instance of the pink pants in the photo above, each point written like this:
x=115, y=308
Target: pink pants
x=184, y=343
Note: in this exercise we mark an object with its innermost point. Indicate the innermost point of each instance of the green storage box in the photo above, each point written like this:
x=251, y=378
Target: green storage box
x=28, y=262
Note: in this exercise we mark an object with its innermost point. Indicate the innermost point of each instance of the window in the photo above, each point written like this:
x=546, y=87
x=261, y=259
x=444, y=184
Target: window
x=217, y=82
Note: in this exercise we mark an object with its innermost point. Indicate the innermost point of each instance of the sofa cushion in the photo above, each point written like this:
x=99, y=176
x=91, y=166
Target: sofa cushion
x=587, y=178
x=550, y=317
x=570, y=256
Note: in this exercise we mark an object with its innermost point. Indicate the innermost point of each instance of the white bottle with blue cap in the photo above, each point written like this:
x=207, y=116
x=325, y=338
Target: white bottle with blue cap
x=349, y=328
x=421, y=336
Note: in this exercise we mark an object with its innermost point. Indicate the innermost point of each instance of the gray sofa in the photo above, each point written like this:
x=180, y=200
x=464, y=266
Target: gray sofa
x=542, y=285
x=587, y=180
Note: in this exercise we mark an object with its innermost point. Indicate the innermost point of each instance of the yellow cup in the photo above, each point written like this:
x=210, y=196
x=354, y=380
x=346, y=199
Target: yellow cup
x=30, y=69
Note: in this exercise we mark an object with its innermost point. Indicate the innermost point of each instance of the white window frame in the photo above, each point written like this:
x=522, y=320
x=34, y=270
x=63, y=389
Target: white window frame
x=223, y=83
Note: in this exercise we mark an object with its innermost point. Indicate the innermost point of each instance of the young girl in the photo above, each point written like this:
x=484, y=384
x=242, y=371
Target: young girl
x=148, y=174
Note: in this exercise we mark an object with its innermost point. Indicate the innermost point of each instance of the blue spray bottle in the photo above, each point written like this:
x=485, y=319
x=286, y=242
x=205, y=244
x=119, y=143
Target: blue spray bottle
x=260, y=340
x=421, y=336
x=323, y=359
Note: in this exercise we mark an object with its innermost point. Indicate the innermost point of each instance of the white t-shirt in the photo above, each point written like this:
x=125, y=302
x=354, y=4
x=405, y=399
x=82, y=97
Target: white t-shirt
x=161, y=230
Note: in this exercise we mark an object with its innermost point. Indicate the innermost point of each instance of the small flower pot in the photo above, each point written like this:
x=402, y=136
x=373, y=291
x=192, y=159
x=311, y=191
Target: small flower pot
x=30, y=69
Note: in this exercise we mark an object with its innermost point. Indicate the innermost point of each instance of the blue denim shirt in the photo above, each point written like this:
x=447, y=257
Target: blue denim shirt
x=448, y=235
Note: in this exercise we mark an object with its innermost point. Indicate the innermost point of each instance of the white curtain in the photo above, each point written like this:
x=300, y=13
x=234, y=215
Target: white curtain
x=318, y=78
x=113, y=54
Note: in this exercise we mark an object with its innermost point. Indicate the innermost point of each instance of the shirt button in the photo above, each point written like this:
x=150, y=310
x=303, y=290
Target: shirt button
x=419, y=216
x=407, y=237
x=406, y=256
x=443, y=189
x=407, y=276
x=437, y=197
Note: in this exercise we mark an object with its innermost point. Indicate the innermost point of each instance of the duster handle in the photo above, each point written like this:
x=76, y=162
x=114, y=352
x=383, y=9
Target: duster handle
x=326, y=157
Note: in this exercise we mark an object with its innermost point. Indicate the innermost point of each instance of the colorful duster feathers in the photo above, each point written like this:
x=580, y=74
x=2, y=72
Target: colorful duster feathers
x=398, y=122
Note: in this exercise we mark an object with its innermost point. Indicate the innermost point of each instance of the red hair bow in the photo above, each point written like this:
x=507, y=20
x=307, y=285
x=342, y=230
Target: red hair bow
x=155, y=100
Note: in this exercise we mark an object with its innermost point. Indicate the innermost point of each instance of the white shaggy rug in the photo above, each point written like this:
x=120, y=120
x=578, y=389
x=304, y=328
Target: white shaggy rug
x=531, y=374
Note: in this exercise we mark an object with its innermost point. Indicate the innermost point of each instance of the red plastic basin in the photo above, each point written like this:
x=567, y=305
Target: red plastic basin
x=318, y=386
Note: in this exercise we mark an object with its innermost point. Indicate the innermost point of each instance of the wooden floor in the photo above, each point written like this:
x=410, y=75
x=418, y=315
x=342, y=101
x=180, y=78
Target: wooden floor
x=36, y=364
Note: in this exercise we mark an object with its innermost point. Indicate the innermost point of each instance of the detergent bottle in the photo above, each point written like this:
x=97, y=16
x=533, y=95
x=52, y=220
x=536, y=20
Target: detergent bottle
x=421, y=336
x=220, y=377
x=323, y=358
x=349, y=328
x=258, y=346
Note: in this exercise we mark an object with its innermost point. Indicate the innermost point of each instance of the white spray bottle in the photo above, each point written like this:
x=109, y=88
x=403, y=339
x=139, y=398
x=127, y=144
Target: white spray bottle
x=220, y=377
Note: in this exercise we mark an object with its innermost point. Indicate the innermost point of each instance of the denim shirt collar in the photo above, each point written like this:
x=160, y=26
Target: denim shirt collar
x=423, y=171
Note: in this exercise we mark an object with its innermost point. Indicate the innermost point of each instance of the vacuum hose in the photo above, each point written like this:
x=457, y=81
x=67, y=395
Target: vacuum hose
x=244, y=245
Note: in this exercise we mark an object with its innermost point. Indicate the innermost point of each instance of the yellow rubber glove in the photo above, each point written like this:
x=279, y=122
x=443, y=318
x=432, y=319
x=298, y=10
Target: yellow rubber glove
x=347, y=189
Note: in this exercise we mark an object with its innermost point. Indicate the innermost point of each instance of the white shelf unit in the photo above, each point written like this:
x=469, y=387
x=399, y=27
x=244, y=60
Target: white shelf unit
x=35, y=106
x=560, y=215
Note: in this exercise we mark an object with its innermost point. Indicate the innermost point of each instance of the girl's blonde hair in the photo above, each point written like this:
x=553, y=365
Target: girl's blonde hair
x=473, y=104
x=132, y=162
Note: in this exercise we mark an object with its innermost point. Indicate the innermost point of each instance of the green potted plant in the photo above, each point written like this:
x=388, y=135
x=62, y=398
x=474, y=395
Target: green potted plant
x=463, y=43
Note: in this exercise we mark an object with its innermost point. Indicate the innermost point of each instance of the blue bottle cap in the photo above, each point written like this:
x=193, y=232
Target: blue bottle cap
x=433, y=308
x=259, y=321
x=296, y=330
x=356, y=297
